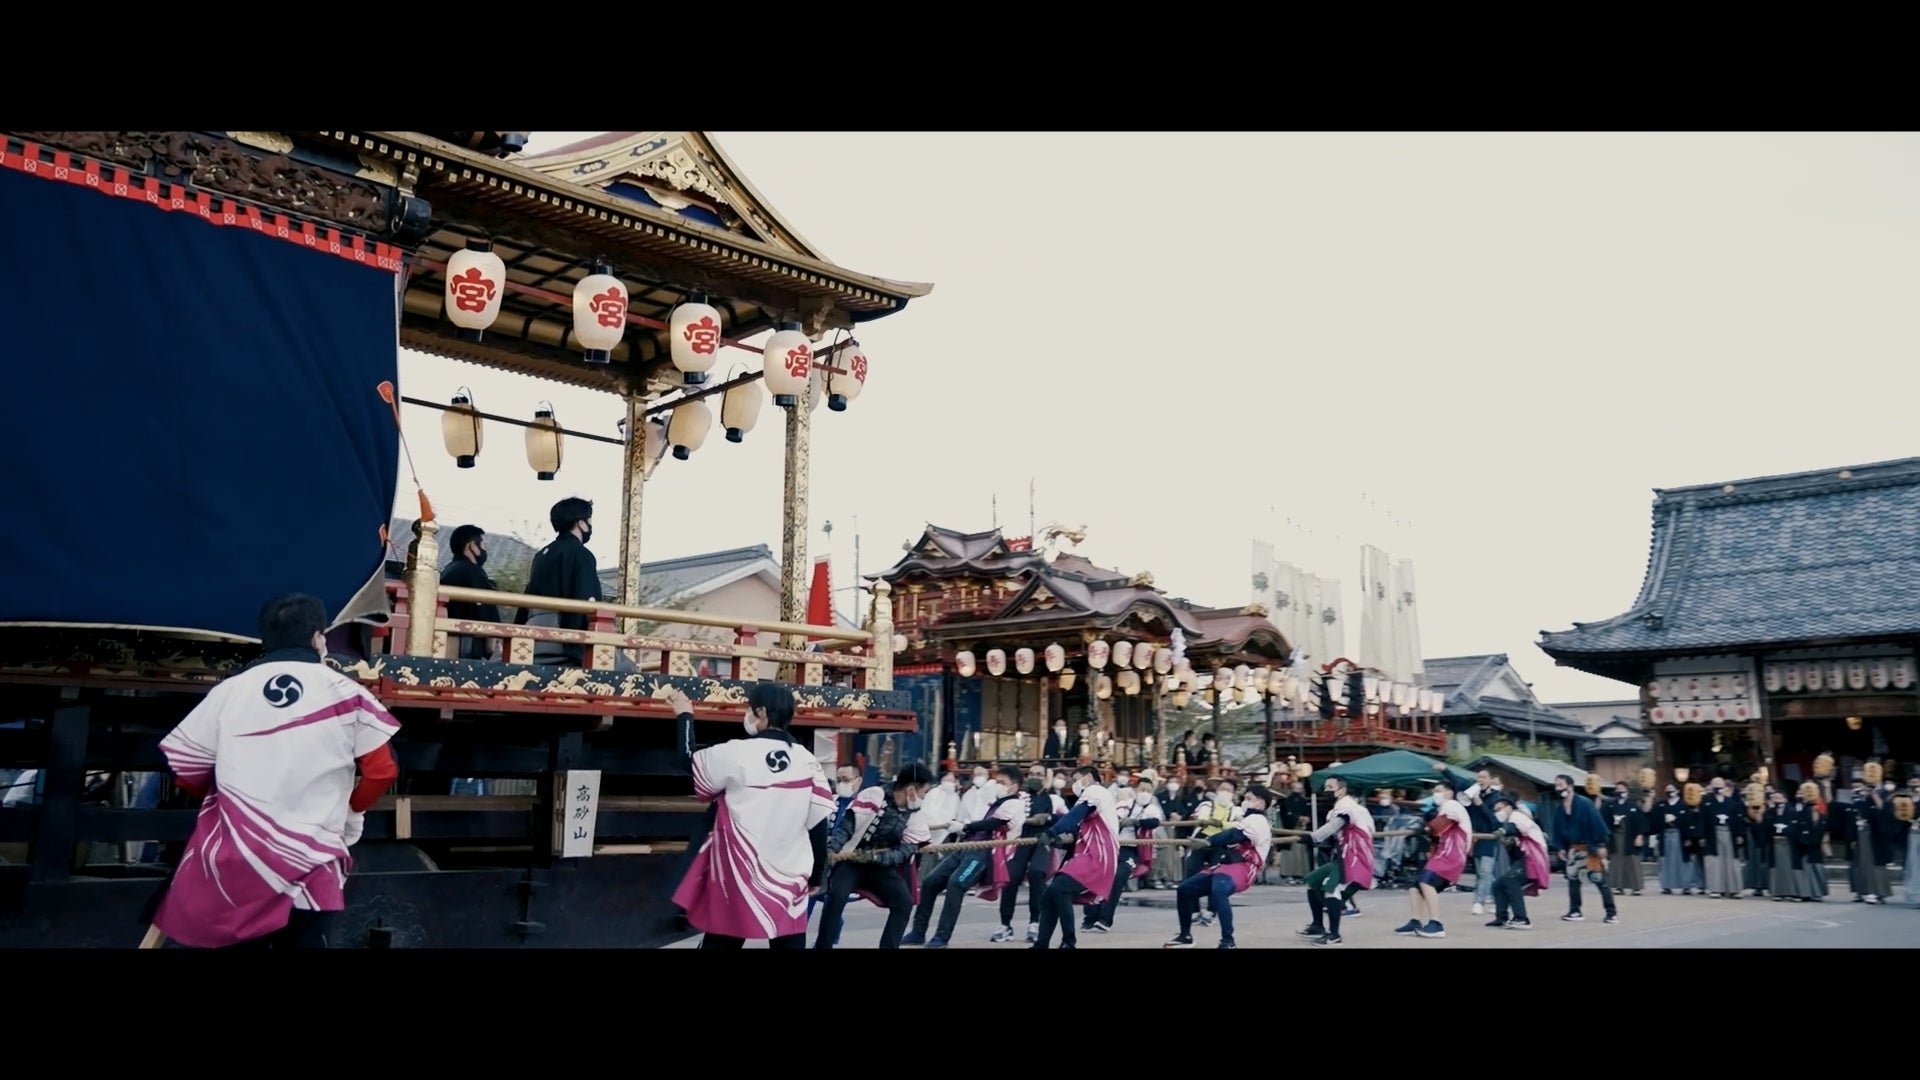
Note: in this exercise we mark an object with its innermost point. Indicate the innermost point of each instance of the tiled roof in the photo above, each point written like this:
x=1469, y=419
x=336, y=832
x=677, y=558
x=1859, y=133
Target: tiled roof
x=1774, y=561
x=1541, y=771
x=1453, y=675
x=1464, y=680
x=663, y=580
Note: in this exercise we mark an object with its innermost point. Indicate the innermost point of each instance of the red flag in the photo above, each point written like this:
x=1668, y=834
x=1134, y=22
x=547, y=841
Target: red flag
x=820, y=597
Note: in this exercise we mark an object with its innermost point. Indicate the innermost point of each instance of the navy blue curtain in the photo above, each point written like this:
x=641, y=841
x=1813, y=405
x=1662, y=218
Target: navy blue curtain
x=194, y=426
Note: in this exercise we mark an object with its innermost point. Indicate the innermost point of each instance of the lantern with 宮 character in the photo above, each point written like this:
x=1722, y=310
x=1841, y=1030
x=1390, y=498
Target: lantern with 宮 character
x=476, y=283
x=739, y=408
x=688, y=428
x=1056, y=657
x=1097, y=655
x=787, y=361
x=544, y=443
x=599, y=313
x=1243, y=677
x=963, y=663
x=693, y=339
x=1023, y=661
x=1122, y=653
x=996, y=662
x=460, y=429
x=1163, y=660
x=848, y=378
x=1142, y=656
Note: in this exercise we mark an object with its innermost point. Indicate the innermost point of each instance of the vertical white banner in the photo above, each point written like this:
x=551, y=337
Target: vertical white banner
x=1410, y=622
x=1333, y=620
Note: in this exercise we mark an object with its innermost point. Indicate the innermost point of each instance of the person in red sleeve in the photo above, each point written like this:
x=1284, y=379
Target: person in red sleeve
x=287, y=755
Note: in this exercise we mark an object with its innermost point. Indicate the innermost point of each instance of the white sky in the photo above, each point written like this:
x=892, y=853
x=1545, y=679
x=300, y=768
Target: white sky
x=1191, y=341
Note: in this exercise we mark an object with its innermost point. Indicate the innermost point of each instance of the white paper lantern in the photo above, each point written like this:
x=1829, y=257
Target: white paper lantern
x=1402, y=693
x=1056, y=657
x=693, y=339
x=1370, y=688
x=1770, y=678
x=476, y=283
x=1097, y=655
x=787, y=361
x=688, y=428
x=963, y=663
x=1129, y=682
x=900, y=643
x=599, y=313
x=816, y=390
x=1790, y=677
x=1023, y=661
x=1122, y=653
x=1067, y=679
x=1836, y=675
x=1878, y=676
x=460, y=429
x=1142, y=656
x=996, y=662
x=1856, y=675
x=1163, y=661
x=1814, y=675
x=1902, y=673
x=1336, y=685
x=1261, y=675
x=740, y=408
x=544, y=444
x=1243, y=677
x=849, y=377
x=1103, y=687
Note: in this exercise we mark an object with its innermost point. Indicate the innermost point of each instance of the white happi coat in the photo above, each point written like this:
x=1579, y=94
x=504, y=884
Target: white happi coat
x=749, y=878
x=942, y=810
x=275, y=747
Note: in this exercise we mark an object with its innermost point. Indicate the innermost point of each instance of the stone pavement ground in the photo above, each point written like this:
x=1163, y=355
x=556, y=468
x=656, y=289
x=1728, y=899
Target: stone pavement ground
x=1267, y=916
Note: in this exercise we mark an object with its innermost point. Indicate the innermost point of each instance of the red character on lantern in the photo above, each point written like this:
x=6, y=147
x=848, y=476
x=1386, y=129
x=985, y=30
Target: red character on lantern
x=610, y=308
x=703, y=336
x=799, y=361
x=859, y=367
x=473, y=291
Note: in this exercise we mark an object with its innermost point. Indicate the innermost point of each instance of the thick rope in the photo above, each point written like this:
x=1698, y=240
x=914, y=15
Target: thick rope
x=1193, y=842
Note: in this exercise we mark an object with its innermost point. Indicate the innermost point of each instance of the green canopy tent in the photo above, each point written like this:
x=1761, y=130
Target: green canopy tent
x=1394, y=769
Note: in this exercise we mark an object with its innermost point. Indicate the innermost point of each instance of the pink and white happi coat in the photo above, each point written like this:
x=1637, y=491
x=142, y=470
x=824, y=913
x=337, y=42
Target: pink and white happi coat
x=1533, y=848
x=1453, y=837
x=1011, y=812
x=1256, y=841
x=1356, y=841
x=749, y=877
x=1145, y=808
x=1096, y=847
x=274, y=748
x=866, y=808
x=1000, y=867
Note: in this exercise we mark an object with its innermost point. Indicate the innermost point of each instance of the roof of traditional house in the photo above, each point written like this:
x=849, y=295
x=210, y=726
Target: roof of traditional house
x=1541, y=771
x=663, y=580
x=1472, y=685
x=1778, y=561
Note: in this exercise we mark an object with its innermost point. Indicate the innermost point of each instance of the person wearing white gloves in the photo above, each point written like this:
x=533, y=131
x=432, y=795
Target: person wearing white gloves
x=273, y=751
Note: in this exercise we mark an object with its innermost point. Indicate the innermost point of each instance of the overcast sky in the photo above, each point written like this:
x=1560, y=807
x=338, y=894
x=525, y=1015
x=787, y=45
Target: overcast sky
x=1187, y=342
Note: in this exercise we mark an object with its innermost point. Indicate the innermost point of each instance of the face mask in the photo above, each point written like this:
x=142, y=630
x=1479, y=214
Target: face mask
x=913, y=800
x=1079, y=786
x=586, y=534
x=1503, y=815
x=949, y=784
x=980, y=781
x=846, y=787
x=481, y=558
x=1562, y=792
x=1059, y=783
x=1146, y=796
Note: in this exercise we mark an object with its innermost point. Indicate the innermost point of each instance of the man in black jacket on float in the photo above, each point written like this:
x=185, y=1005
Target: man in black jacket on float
x=565, y=570
x=469, y=556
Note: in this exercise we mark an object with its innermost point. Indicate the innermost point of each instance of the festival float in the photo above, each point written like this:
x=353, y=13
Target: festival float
x=206, y=328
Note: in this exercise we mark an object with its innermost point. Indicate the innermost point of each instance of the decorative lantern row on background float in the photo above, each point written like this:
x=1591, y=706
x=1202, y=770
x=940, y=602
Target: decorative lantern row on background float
x=476, y=283
x=1877, y=673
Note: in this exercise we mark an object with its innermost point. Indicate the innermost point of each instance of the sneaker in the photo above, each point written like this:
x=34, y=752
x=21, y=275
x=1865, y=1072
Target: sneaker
x=1412, y=926
x=913, y=937
x=1328, y=939
x=1227, y=943
x=937, y=943
x=1519, y=924
x=1350, y=913
x=1611, y=919
x=1497, y=923
x=1086, y=926
x=1033, y=931
x=1099, y=928
x=1205, y=919
x=1479, y=908
x=1004, y=934
x=1314, y=931
x=1573, y=916
x=1431, y=930
x=1180, y=941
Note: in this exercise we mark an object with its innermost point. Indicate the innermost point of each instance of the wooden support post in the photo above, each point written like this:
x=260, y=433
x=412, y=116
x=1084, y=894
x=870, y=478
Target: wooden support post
x=423, y=587
x=635, y=477
x=794, y=567
x=59, y=810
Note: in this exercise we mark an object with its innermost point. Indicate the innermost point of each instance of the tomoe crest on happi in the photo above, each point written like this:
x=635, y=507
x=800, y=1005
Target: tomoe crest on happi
x=282, y=691
x=778, y=760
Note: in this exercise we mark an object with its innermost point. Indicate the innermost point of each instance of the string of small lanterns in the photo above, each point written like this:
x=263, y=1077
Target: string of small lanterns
x=476, y=283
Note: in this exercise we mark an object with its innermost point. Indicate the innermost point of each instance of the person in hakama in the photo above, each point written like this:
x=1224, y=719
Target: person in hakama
x=1670, y=823
x=1243, y=851
x=1087, y=874
x=1628, y=824
x=1528, y=872
x=1903, y=808
x=272, y=751
x=1580, y=835
x=880, y=834
x=1724, y=840
x=1813, y=853
x=1295, y=813
x=1754, y=861
x=1862, y=826
x=1333, y=884
x=964, y=870
x=1452, y=833
x=1786, y=827
x=1169, y=858
x=765, y=852
x=1031, y=864
x=1138, y=817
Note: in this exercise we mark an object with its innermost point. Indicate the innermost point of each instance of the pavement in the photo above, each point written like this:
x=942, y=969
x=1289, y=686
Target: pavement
x=1267, y=916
